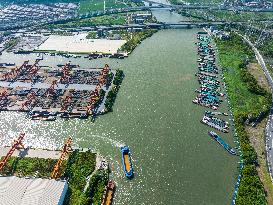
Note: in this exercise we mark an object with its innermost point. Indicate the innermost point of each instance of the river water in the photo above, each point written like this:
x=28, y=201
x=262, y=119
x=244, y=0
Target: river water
x=174, y=159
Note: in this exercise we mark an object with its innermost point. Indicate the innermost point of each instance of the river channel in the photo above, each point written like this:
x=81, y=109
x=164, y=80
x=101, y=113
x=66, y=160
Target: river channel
x=174, y=159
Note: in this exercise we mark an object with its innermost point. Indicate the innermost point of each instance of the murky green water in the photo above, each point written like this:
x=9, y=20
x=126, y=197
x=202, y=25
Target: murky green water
x=175, y=160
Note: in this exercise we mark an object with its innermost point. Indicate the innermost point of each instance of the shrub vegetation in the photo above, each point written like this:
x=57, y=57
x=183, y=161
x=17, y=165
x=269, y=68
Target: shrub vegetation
x=249, y=102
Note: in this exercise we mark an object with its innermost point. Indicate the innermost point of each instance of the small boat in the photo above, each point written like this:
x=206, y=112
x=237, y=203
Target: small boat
x=108, y=193
x=49, y=118
x=40, y=56
x=127, y=162
x=222, y=142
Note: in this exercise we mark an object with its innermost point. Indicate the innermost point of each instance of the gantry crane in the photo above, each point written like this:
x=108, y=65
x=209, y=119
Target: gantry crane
x=15, y=71
x=3, y=95
x=31, y=99
x=65, y=102
x=33, y=69
x=16, y=144
x=104, y=74
x=95, y=94
x=65, y=71
x=51, y=89
x=66, y=149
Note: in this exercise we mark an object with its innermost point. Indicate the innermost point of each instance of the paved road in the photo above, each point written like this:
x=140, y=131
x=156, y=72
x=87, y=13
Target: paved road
x=269, y=126
x=46, y=154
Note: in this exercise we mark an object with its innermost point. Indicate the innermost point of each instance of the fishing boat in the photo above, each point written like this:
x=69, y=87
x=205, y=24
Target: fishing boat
x=127, y=162
x=222, y=143
x=108, y=193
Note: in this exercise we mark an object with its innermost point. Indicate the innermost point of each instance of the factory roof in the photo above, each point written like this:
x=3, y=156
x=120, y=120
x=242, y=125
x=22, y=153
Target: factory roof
x=31, y=191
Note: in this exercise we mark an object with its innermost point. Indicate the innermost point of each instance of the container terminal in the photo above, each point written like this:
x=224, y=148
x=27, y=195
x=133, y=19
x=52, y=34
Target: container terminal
x=43, y=92
x=30, y=176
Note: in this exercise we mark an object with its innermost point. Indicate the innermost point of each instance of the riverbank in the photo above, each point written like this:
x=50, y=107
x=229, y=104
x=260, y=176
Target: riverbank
x=135, y=39
x=250, y=103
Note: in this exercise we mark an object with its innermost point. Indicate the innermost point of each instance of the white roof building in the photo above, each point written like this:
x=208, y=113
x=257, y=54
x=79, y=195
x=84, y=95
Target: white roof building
x=31, y=191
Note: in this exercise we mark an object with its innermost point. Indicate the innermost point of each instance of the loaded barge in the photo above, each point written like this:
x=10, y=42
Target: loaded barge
x=109, y=193
x=222, y=143
x=127, y=162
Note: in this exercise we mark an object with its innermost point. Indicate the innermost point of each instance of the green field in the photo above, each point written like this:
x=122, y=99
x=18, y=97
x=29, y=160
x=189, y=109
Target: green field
x=94, y=5
x=86, y=6
x=38, y=1
x=233, y=57
x=30, y=167
x=115, y=19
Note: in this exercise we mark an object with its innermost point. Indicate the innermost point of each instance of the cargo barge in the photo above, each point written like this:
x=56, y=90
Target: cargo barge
x=109, y=193
x=127, y=162
x=222, y=143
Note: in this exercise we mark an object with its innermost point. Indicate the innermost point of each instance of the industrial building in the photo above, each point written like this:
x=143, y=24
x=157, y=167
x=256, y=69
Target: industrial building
x=32, y=191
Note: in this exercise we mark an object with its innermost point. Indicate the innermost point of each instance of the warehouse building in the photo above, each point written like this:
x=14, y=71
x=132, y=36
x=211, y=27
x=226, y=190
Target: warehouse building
x=32, y=191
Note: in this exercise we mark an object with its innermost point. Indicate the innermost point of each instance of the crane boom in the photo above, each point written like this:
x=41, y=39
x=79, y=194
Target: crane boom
x=67, y=147
x=15, y=145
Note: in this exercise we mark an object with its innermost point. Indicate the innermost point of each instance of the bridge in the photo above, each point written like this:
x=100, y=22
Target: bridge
x=180, y=25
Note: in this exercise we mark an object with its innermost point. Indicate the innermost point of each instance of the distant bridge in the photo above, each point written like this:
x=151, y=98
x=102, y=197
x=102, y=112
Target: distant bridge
x=180, y=25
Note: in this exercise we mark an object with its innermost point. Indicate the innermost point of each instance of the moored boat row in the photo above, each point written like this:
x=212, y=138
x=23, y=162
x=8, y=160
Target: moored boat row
x=222, y=143
x=209, y=93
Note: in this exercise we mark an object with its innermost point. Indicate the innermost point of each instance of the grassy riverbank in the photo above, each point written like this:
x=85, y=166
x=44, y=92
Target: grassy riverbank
x=80, y=166
x=136, y=38
x=250, y=103
x=112, y=94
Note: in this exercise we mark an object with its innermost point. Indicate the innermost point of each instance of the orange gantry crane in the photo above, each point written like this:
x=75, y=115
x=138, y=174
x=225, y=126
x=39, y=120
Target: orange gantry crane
x=52, y=87
x=65, y=102
x=65, y=73
x=33, y=69
x=15, y=71
x=16, y=144
x=95, y=94
x=31, y=99
x=66, y=149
